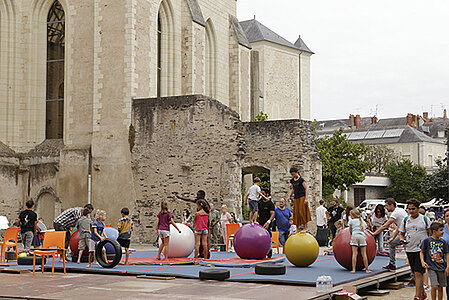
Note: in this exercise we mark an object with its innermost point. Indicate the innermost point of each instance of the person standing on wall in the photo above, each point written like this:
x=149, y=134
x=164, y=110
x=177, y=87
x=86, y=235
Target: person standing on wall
x=301, y=211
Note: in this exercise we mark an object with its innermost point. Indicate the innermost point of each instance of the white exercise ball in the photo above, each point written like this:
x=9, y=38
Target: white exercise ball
x=180, y=244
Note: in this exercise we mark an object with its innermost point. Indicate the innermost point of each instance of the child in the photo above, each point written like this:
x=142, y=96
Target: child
x=434, y=256
x=164, y=219
x=251, y=199
x=338, y=226
x=97, y=235
x=358, y=240
x=27, y=222
x=301, y=212
x=84, y=225
x=201, y=232
x=125, y=227
x=413, y=230
x=41, y=228
x=293, y=229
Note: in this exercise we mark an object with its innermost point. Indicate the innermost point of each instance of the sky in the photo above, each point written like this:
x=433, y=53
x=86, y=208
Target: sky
x=384, y=58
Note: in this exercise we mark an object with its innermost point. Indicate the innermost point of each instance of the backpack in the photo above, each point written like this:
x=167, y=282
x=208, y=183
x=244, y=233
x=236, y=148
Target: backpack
x=425, y=221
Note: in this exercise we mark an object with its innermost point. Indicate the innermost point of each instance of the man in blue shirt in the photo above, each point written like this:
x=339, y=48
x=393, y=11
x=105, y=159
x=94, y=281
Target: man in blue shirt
x=282, y=215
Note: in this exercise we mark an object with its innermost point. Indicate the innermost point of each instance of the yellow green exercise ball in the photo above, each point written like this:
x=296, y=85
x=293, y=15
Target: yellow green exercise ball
x=23, y=254
x=301, y=249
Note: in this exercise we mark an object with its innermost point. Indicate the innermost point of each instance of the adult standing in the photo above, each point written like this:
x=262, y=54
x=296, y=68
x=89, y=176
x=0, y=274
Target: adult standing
x=335, y=212
x=266, y=217
x=397, y=216
x=225, y=218
x=214, y=219
x=376, y=219
x=301, y=212
x=68, y=218
x=282, y=216
x=322, y=232
x=446, y=238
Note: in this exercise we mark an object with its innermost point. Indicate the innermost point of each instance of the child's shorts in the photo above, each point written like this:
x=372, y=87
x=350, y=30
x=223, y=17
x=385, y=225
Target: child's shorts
x=437, y=278
x=124, y=242
x=85, y=243
x=163, y=233
x=92, y=245
x=205, y=231
x=358, y=240
x=253, y=206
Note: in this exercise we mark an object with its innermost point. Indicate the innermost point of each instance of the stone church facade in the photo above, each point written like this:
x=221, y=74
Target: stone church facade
x=96, y=104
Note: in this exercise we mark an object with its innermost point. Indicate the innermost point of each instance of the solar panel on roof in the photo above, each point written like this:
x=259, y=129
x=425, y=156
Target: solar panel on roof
x=360, y=135
x=377, y=134
x=390, y=133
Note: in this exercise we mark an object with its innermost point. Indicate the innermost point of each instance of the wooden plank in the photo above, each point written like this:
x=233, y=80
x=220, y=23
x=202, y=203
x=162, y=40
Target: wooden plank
x=15, y=271
x=155, y=277
x=374, y=292
x=393, y=285
x=8, y=265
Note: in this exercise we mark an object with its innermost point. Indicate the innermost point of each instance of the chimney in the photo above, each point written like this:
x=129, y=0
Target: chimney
x=409, y=119
x=444, y=115
x=358, y=122
x=425, y=115
x=351, y=121
x=373, y=120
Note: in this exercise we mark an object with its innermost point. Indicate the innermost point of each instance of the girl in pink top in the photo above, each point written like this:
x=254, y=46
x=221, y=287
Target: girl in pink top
x=164, y=219
x=201, y=232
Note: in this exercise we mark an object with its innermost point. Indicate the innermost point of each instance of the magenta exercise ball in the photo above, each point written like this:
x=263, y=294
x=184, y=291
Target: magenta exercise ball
x=343, y=251
x=252, y=241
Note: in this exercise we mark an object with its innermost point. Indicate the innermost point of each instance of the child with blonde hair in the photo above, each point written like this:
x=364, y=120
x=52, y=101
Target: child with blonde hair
x=358, y=239
x=164, y=219
x=97, y=235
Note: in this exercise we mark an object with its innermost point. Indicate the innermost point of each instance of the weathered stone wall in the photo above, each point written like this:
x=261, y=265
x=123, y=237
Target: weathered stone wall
x=189, y=143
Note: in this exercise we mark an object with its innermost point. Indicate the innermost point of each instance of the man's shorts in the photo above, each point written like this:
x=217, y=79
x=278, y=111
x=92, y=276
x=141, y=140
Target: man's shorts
x=124, y=242
x=415, y=262
x=27, y=238
x=437, y=278
x=253, y=206
x=358, y=240
x=85, y=243
x=163, y=233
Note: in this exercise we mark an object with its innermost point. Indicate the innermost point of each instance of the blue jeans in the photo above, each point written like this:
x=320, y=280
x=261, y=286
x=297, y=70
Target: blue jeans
x=379, y=238
x=283, y=236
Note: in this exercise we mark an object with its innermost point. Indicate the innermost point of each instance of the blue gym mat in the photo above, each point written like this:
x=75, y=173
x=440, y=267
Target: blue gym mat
x=324, y=265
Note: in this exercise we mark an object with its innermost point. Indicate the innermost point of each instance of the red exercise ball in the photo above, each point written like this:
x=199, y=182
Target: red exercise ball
x=74, y=241
x=343, y=250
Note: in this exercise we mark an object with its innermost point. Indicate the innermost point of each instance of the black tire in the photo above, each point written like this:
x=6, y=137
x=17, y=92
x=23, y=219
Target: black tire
x=214, y=274
x=28, y=260
x=85, y=258
x=117, y=255
x=270, y=269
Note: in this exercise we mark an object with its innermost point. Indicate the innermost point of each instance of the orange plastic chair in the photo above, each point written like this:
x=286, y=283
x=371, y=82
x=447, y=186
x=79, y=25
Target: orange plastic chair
x=52, y=239
x=275, y=240
x=10, y=234
x=231, y=229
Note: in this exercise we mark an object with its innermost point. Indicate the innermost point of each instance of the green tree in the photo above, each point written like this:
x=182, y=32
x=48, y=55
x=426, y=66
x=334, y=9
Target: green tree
x=379, y=157
x=342, y=161
x=436, y=184
x=406, y=178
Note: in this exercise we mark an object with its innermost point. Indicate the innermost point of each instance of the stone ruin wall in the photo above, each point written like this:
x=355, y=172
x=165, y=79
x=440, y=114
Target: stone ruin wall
x=189, y=143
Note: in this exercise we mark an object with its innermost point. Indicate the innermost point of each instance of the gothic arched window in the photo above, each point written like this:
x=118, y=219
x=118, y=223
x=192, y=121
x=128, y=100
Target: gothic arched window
x=54, y=125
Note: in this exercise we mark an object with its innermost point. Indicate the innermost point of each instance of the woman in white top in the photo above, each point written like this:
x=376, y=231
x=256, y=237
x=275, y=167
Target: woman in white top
x=225, y=218
x=377, y=219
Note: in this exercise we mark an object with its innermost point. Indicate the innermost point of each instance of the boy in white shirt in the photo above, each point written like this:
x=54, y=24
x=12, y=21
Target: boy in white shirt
x=251, y=199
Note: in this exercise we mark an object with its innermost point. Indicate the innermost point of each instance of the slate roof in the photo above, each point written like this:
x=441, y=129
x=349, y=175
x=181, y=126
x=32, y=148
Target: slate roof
x=257, y=32
x=386, y=135
x=302, y=46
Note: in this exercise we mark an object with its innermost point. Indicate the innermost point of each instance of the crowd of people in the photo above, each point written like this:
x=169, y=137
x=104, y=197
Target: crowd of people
x=424, y=238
